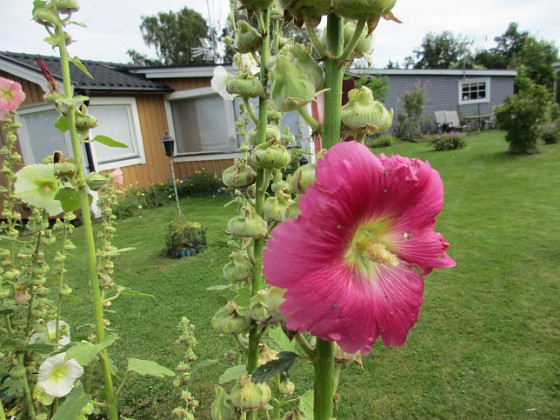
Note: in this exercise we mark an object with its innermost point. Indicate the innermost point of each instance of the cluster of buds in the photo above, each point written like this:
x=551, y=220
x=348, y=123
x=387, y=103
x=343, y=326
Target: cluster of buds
x=187, y=341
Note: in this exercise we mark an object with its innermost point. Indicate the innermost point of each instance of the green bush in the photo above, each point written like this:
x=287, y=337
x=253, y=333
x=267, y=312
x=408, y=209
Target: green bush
x=522, y=116
x=409, y=119
x=384, y=140
x=184, y=238
x=448, y=141
x=200, y=183
x=551, y=133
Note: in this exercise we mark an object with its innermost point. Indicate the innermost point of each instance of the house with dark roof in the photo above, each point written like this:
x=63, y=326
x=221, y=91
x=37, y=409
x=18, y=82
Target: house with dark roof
x=135, y=106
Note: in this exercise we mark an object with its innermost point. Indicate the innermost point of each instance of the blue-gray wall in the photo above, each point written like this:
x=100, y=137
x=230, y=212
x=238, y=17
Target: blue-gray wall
x=443, y=93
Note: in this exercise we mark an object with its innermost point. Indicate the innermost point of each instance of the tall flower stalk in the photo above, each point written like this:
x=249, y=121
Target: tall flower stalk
x=90, y=251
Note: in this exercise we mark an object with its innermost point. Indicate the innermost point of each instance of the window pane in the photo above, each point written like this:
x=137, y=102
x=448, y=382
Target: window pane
x=44, y=137
x=115, y=121
x=203, y=124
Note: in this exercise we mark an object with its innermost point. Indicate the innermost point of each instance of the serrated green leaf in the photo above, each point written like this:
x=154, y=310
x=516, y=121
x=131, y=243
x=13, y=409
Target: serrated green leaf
x=61, y=123
x=280, y=341
x=69, y=199
x=306, y=405
x=148, y=367
x=78, y=63
x=134, y=293
x=108, y=141
x=232, y=374
x=85, y=352
x=202, y=364
x=73, y=405
x=219, y=287
x=285, y=361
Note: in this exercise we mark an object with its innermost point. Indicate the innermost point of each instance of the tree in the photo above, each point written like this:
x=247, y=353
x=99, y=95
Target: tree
x=521, y=51
x=441, y=51
x=174, y=35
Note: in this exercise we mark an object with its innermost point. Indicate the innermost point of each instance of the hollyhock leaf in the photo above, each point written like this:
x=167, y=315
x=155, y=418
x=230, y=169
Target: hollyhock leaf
x=84, y=352
x=280, y=339
x=108, y=141
x=69, y=199
x=306, y=404
x=78, y=63
x=280, y=366
x=232, y=374
x=364, y=240
x=73, y=405
x=148, y=367
x=61, y=123
x=203, y=364
x=135, y=293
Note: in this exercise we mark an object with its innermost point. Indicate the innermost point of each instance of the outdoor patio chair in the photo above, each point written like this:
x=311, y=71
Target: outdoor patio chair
x=441, y=121
x=453, y=123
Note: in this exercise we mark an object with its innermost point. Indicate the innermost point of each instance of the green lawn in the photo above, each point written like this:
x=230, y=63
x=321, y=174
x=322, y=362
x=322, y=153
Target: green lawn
x=488, y=339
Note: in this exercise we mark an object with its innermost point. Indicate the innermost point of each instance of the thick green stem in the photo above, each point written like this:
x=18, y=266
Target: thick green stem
x=88, y=232
x=334, y=74
x=324, y=380
x=27, y=389
x=257, y=279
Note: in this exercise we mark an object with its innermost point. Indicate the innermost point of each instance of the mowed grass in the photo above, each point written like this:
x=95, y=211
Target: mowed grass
x=488, y=338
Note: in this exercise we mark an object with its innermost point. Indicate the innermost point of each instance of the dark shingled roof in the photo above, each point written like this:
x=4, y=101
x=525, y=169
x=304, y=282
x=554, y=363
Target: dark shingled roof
x=106, y=76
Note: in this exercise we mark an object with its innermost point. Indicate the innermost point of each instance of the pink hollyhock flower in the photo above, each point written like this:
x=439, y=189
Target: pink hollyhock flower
x=117, y=176
x=353, y=262
x=11, y=96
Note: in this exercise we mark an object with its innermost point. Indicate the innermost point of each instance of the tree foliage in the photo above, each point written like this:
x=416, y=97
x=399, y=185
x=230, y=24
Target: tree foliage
x=174, y=35
x=440, y=51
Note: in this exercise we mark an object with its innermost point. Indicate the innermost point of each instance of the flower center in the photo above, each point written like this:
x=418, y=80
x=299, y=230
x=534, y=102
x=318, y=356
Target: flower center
x=7, y=93
x=59, y=372
x=370, y=248
x=47, y=187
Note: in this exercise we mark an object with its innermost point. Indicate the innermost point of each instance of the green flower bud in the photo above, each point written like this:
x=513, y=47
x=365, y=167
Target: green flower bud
x=84, y=121
x=221, y=407
x=45, y=17
x=302, y=178
x=229, y=320
x=279, y=183
x=239, y=268
x=274, y=298
x=239, y=175
x=291, y=89
x=273, y=116
x=365, y=44
x=275, y=207
x=248, y=225
x=272, y=133
x=257, y=307
x=293, y=210
x=287, y=137
x=244, y=85
x=270, y=156
x=247, y=39
x=364, y=115
x=65, y=169
x=253, y=5
x=67, y=6
x=96, y=181
x=311, y=9
x=363, y=9
x=248, y=396
x=286, y=387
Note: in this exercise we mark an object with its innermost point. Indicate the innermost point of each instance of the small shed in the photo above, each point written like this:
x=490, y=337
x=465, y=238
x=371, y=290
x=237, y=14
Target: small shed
x=473, y=93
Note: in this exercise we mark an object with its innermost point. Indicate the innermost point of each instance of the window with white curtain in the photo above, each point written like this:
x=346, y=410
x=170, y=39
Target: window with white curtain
x=118, y=119
x=202, y=122
x=474, y=90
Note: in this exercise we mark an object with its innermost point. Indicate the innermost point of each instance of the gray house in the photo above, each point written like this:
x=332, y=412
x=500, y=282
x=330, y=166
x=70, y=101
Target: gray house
x=473, y=93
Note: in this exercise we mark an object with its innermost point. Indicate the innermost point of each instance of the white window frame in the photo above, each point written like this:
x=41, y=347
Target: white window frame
x=23, y=133
x=486, y=80
x=199, y=93
x=135, y=129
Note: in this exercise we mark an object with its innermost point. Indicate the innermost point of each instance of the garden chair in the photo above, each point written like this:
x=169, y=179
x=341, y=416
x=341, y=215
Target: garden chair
x=453, y=123
x=441, y=121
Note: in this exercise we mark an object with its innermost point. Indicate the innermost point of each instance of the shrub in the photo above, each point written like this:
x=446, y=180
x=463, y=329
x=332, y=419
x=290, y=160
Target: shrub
x=523, y=114
x=184, y=238
x=448, y=141
x=200, y=183
x=409, y=119
x=384, y=140
x=551, y=133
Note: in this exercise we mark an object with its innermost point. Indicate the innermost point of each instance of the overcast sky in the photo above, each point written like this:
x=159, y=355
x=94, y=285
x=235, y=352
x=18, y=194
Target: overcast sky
x=113, y=25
